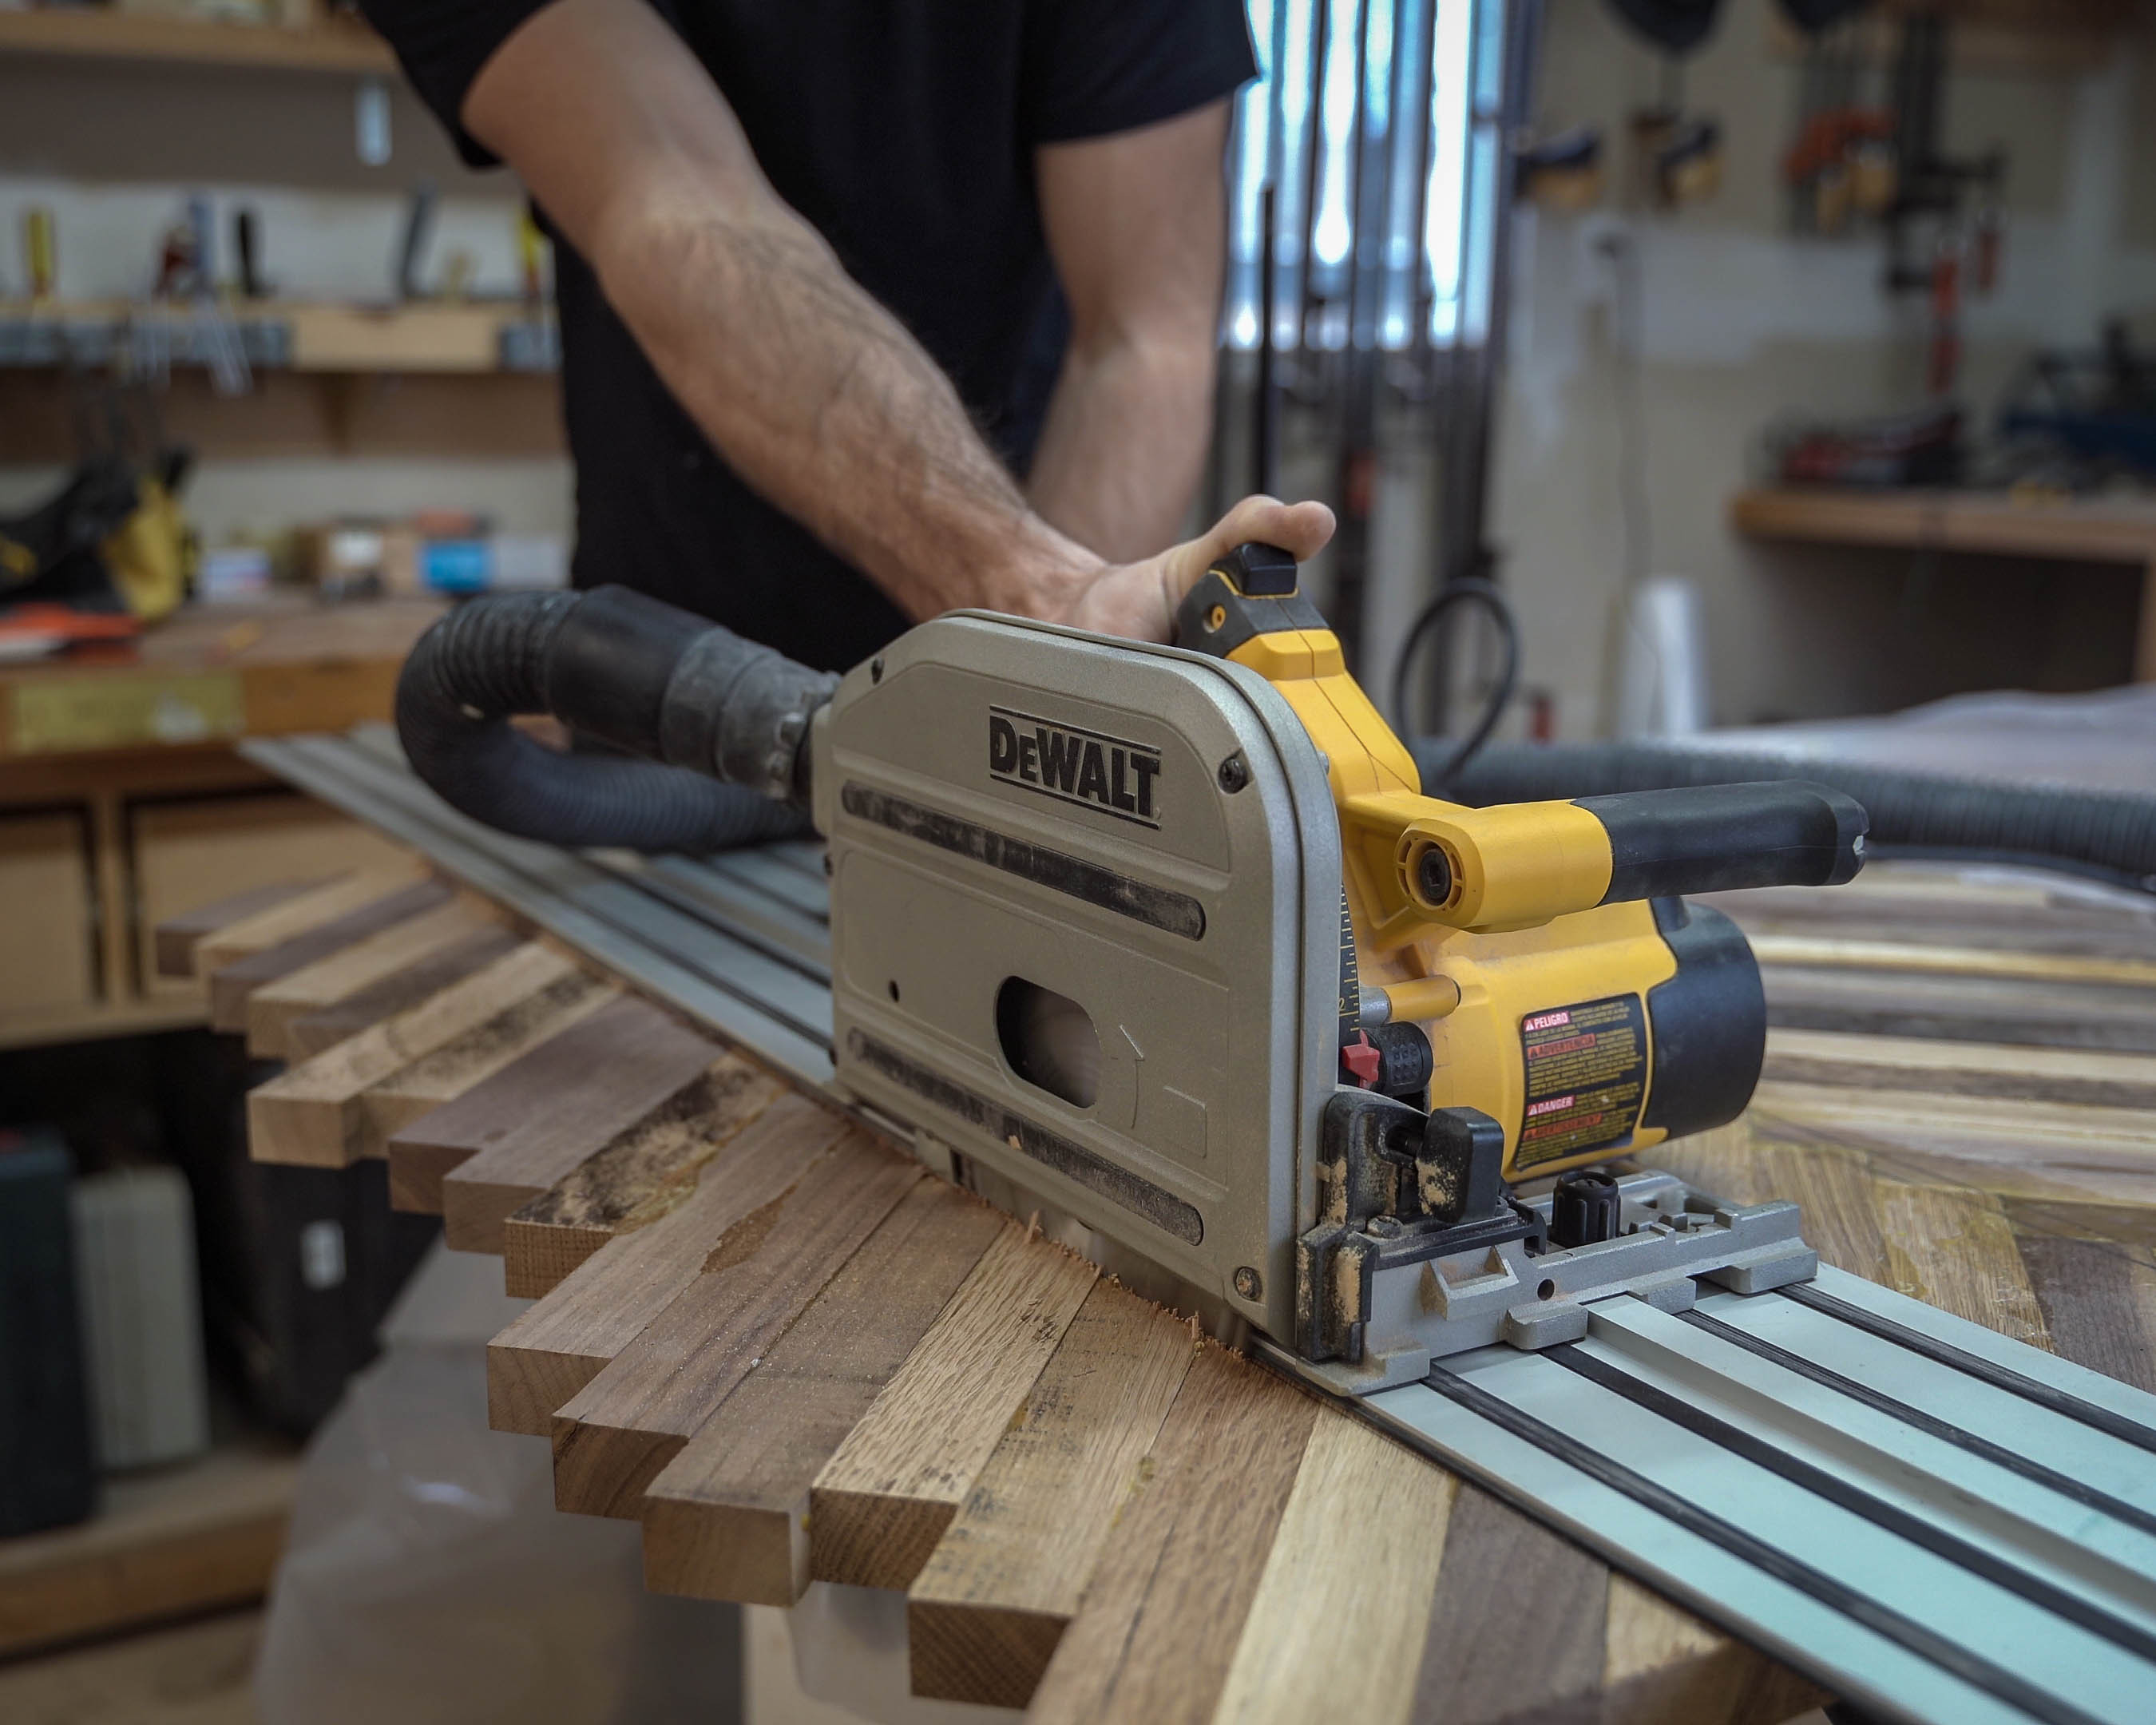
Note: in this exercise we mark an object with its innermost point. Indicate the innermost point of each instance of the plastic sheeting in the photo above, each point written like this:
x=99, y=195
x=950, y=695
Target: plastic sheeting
x=428, y=1577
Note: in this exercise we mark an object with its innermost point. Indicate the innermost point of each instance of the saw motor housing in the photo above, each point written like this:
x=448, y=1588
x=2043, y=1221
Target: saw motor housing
x=1170, y=937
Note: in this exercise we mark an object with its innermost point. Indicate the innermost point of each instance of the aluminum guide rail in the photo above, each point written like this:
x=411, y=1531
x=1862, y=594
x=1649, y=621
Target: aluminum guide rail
x=1936, y=1541
x=708, y=966
x=1931, y=1520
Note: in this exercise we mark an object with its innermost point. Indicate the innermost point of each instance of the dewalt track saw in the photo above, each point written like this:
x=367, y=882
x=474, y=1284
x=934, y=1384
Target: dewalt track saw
x=1169, y=940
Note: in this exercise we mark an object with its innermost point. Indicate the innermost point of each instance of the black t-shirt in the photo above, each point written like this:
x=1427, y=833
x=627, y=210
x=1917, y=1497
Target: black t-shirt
x=904, y=131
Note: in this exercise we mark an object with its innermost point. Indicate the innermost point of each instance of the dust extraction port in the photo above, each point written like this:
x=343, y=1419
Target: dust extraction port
x=1049, y=1040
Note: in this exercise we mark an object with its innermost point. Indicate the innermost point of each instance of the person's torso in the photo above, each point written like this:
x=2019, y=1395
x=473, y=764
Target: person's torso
x=893, y=126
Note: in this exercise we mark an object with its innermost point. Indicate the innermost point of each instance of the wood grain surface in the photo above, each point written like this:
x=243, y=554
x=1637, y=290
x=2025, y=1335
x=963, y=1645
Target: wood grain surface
x=728, y=1516
x=1190, y=1550
x=1913, y=1063
x=470, y=1059
x=553, y=1105
x=1391, y=1511
x=985, y=1614
x=310, y=1033
x=886, y=1495
x=757, y=1278
x=635, y=1177
x=172, y=944
x=1958, y=1094
x=606, y=1073
x=232, y=984
x=280, y=922
x=551, y=1352
x=315, y=1113
x=272, y=1006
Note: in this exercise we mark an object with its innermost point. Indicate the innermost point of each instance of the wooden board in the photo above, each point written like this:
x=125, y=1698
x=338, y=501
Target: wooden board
x=547, y=1111
x=1189, y=1551
x=338, y=45
x=314, y=1114
x=1912, y=1063
x=272, y=1006
x=208, y=845
x=639, y=1174
x=1956, y=1008
x=727, y=1518
x=457, y=1065
x=757, y=1278
x=549, y=1354
x=47, y=916
x=885, y=1498
x=199, y=1673
x=1293, y=1660
x=232, y=985
x=174, y=941
x=309, y=1034
x=791, y=1355
x=166, y=1542
x=985, y=1614
x=647, y=1058
x=297, y=916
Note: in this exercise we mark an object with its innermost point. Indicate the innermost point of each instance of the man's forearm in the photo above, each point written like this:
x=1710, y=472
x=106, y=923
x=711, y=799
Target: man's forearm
x=1122, y=452
x=814, y=392
x=823, y=402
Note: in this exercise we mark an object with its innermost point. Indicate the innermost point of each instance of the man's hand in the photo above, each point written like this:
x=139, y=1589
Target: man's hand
x=1139, y=599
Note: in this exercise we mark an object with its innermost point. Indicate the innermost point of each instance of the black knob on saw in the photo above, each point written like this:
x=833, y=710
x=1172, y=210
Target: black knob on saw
x=1260, y=571
x=1584, y=1208
x=1253, y=590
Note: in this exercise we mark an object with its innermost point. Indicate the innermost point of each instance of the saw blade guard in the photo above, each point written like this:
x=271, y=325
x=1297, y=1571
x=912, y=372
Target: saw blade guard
x=1085, y=934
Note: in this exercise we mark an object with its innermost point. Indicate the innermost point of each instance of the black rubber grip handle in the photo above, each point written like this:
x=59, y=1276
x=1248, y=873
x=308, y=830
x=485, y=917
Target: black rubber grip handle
x=1710, y=838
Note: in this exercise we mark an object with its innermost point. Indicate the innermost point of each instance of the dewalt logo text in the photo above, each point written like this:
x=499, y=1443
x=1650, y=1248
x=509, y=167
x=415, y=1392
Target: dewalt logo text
x=1117, y=777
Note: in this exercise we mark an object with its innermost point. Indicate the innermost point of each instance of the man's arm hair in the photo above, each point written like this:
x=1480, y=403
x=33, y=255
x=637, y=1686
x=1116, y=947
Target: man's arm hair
x=811, y=390
x=1136, y=223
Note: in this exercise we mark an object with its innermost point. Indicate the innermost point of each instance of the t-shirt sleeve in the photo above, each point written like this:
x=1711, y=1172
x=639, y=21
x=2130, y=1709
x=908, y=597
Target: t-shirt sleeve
x=441, y=44
x=1094, y=67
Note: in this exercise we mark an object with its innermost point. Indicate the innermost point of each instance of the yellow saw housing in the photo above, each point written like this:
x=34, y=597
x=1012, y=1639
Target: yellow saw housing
x=1522, y=932
x=1517, y=937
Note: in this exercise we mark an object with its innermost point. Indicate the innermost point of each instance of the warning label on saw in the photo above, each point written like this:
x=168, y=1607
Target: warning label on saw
x=1586, y=1077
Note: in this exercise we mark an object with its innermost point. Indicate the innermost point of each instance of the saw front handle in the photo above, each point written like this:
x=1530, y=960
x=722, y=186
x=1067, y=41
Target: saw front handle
x=1519, y=865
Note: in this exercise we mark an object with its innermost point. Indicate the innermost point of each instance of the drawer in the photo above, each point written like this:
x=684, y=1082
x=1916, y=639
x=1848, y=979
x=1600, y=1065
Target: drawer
x=47, y=916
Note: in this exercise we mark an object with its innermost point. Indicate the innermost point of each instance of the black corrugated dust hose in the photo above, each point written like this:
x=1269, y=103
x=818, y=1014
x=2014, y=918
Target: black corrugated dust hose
x=628, y=670
x=2109, y=835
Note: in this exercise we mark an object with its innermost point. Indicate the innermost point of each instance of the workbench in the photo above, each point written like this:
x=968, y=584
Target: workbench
x=793, y=1354
x=1992, y=524
x=122, y=804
